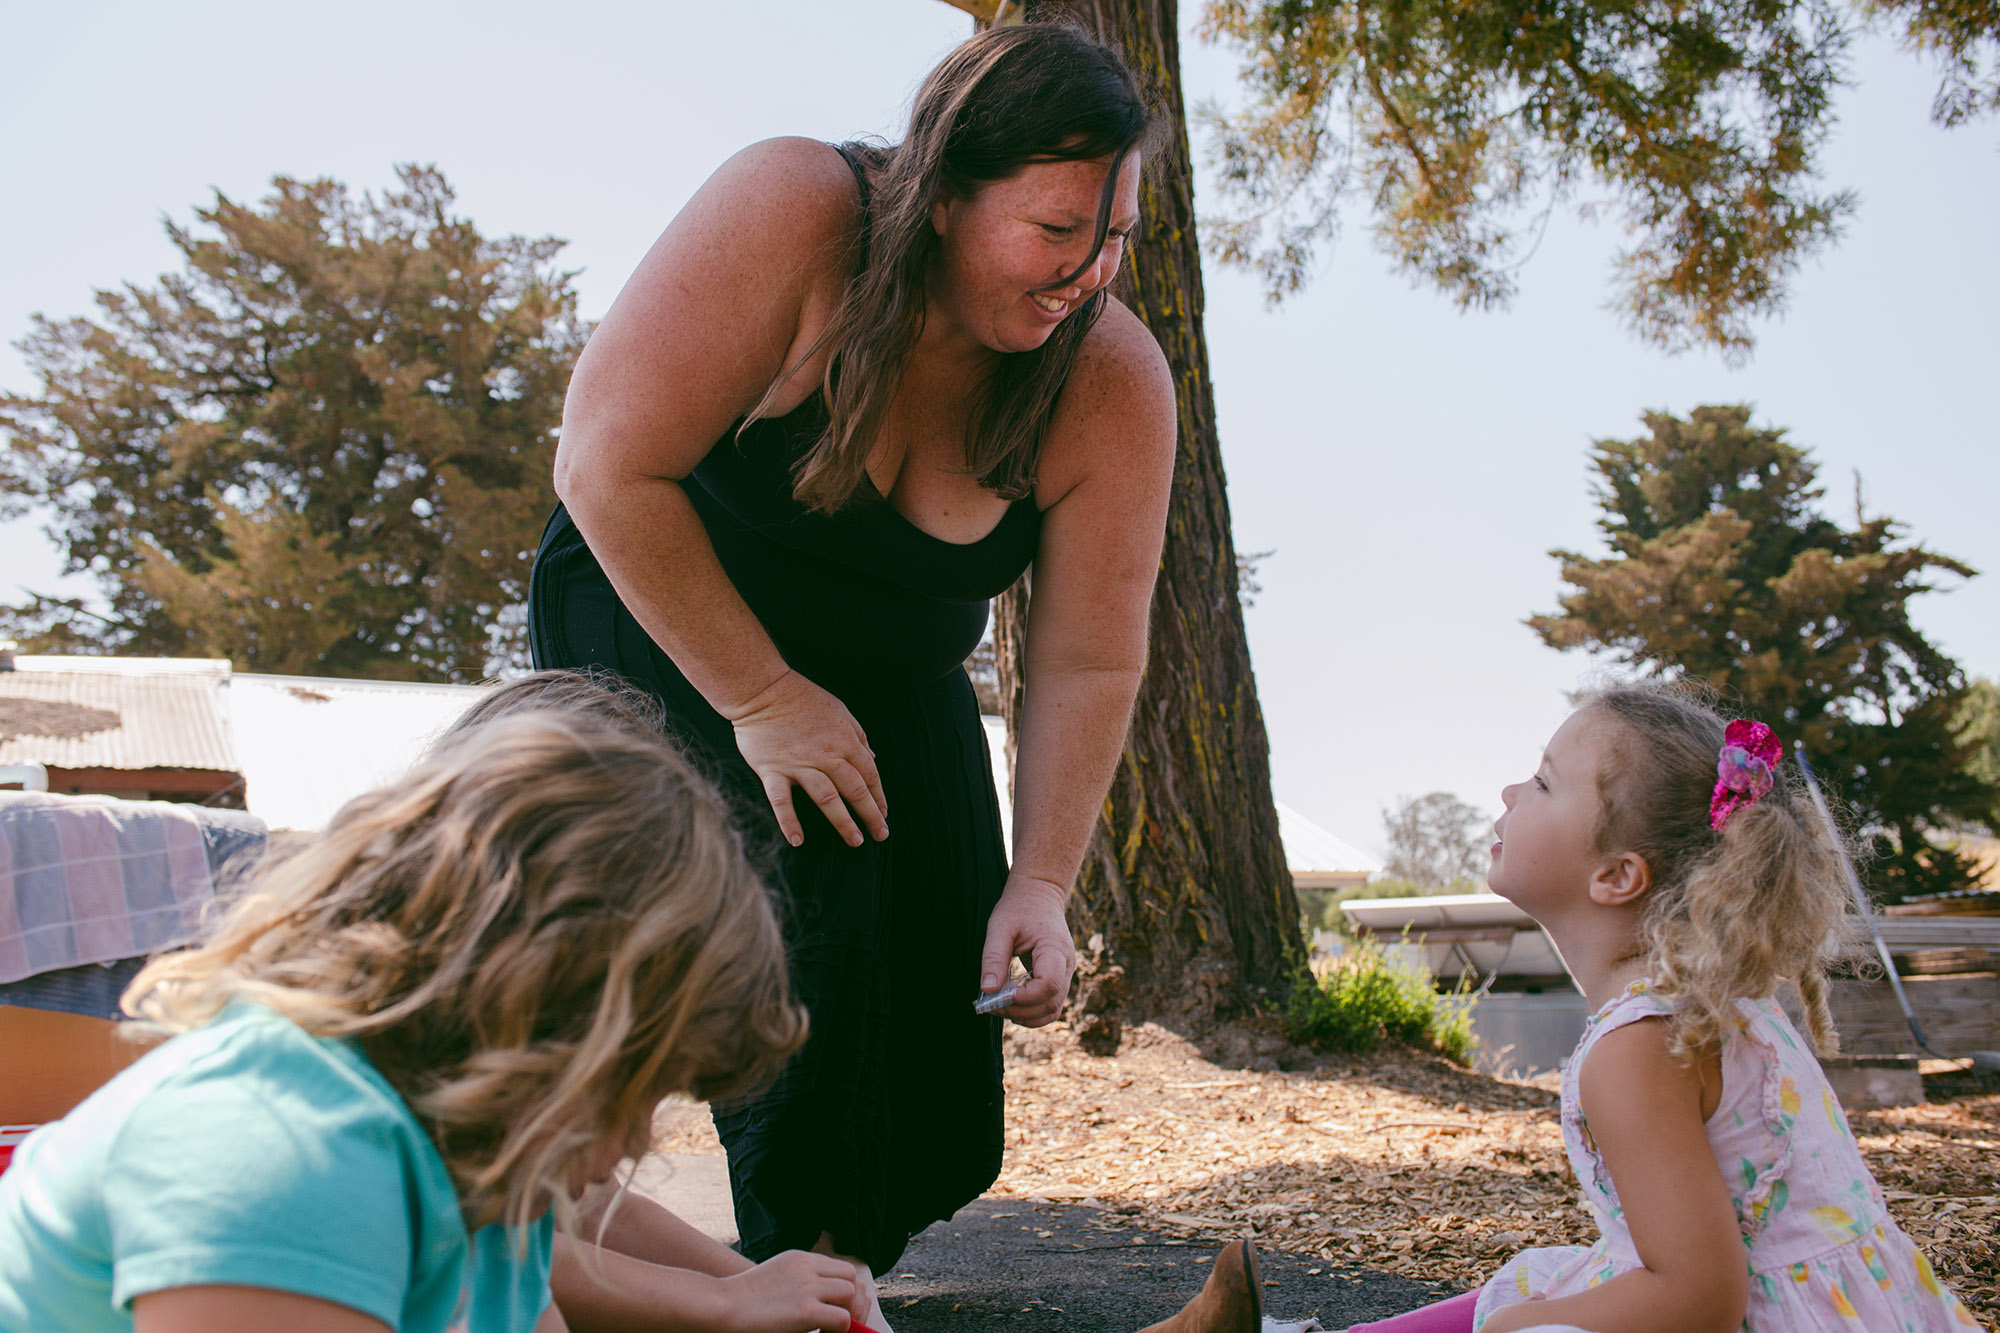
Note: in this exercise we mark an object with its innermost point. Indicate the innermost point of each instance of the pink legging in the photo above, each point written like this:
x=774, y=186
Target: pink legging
x=1452, y=1316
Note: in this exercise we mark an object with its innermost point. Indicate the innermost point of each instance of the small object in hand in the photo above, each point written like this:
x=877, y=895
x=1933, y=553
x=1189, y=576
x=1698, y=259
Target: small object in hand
x=998, y=1000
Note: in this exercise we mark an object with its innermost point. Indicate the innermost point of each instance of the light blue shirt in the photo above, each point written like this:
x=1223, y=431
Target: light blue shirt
x=252, y=1153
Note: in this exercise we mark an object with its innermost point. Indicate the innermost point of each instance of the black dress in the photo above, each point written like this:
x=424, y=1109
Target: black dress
x=890, y=1118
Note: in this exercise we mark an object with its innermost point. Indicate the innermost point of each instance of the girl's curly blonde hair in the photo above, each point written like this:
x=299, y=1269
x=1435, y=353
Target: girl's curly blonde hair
x=542, y=930
x=1733, y=914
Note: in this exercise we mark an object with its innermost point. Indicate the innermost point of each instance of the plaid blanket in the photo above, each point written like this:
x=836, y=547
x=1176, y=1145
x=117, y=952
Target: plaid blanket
x=92, y=880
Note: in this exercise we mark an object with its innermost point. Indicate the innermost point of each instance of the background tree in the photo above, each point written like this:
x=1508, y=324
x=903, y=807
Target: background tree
x=1464, y=125
x=1437, y=844
x=322, y=447
x=1436, y=841
x=1723, y=569
x=1962, y=38
x=1979, y=728
x=1185, y=904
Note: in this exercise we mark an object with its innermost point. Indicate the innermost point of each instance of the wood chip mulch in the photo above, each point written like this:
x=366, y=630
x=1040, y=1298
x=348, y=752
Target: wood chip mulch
x=1396, y=1161
x=1404, y=1162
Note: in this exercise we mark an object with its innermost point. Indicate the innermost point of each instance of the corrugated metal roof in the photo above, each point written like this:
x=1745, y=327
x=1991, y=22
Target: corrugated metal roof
x=163, y=712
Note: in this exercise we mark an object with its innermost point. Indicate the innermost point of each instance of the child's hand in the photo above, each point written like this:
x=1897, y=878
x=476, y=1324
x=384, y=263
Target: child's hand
x=795, y=1292
x=1508, y=1318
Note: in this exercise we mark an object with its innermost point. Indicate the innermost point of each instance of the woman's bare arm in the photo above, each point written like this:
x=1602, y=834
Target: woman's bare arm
x=728, y=296
x=1109, y=461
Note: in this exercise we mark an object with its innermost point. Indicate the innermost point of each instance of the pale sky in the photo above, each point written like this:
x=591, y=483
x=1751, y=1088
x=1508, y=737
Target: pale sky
x=1410, y=465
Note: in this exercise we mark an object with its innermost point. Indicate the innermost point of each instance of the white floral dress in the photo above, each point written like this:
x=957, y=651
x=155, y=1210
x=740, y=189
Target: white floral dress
x=1822, y=1249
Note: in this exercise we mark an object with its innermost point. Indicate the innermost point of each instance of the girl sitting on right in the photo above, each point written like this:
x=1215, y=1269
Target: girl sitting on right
x=1684, y=876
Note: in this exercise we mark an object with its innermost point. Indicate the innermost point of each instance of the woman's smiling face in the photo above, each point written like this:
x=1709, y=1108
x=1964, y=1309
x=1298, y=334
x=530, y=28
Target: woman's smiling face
x=1003, y=248
x=1548, y=849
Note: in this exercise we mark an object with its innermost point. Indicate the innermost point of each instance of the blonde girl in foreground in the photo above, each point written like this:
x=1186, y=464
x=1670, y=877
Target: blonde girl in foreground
x=1684, y=877
x=408, y=1051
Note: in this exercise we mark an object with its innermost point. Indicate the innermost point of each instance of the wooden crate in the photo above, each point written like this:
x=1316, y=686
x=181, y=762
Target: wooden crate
x=1872, y=1082
x=51, y=1061
x=1960, y=1014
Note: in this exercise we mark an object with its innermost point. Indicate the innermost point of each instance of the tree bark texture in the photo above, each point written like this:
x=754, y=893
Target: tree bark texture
x=1184, y=906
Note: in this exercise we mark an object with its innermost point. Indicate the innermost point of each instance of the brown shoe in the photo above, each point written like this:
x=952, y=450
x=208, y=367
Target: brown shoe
x=1231, y=1302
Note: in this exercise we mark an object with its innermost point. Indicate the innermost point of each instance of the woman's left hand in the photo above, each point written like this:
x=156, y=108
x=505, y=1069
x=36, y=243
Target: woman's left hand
x=1028, y=922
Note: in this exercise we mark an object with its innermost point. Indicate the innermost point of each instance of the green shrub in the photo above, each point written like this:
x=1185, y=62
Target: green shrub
x=1364, y=996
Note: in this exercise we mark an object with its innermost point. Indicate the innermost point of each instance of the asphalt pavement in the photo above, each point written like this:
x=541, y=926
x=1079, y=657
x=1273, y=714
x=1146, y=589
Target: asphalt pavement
x=1041, y=1267
x=1038, y=1268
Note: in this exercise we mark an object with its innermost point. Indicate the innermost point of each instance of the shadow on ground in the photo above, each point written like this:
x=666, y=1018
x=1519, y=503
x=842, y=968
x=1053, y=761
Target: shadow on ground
x=1048, y=1267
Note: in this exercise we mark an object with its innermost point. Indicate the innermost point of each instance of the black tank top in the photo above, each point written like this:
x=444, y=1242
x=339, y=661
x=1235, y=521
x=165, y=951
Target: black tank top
x=861, y=597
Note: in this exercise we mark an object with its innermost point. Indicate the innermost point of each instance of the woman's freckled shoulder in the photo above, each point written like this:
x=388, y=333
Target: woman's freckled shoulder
x=1120, y=375
x=1122, y=351
x=795, y=158
x=1117, y=409
x=787, y=210
x=802, y=180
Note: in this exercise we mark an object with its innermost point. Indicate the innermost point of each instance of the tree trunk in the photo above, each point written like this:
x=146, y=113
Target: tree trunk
x=1184, y=906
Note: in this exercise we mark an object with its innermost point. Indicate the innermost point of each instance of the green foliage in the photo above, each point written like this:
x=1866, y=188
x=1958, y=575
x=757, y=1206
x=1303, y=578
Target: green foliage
x=1723, y=569
x=1458, y=122
x=1962, y=37
x=323, y=446
x=1979, y=729
x=1364, y=997
x=1463, y=126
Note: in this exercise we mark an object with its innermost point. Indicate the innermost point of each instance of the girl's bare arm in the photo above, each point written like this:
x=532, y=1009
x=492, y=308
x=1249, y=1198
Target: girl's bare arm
x=1644, y=1110
x=205, y=1309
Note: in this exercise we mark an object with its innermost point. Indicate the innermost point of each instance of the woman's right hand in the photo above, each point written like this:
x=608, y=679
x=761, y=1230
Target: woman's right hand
x=794, y=1292
x=794, y=733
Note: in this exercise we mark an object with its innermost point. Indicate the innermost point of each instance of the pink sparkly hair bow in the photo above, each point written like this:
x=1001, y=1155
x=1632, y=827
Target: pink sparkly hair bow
x=1743, y=769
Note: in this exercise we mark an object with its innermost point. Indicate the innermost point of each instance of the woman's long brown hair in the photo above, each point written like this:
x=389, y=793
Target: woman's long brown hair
x=1038, y=92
